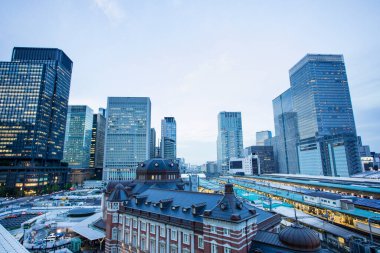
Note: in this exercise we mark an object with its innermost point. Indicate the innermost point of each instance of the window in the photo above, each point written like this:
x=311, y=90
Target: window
x=135, y=223
x=162, y=248
x=152, y=246
x=186, y=238
x=200, y=242
x=173, y=249
x=143, y=243
x=126, y=221
x=174, y=235
x=143, y=226
x=213, y=229
x=114, y=250
x=134, y=240
x=114, y=233
x=152, y=229
x=126, y=239
x=226, y=231
x=162, y=231
x=115, y=218
x=227, y=250
x=214, y=248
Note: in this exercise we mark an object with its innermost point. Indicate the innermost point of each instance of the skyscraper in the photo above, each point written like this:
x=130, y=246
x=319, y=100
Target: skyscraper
x=169, y=138
x=262, y=136
x=152, y=142
x=230, y=139
x=286, y=129
x=318, y=104
x=127, y=136
x=97, y=143
x=78, y=136
x=34, y=92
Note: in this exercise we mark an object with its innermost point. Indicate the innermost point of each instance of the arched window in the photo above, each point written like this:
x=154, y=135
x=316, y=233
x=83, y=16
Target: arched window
x=114, y=233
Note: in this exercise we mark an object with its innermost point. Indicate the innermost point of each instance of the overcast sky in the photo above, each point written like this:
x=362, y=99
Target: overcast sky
x=197, y=58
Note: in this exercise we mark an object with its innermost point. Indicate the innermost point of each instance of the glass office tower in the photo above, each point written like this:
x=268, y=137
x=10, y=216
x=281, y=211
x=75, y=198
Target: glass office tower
x=127, y=136
x=152, y=142
x=169, y=138
x=326, y=126
x=34, y=91
x=262, y=136
x=97, y=141
x=286, y=130
x=230, y=139
x=78, y=136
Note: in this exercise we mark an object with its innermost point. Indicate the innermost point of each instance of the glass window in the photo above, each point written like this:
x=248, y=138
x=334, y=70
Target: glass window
x=114, y=233
x=214, y=248
x=227, y=250
x=115, y=218
x=162, y=231
x=152, y=229
x=186, y=238
x=200, y=242
x=174, y=235
x=213, y=229
x=226, y=231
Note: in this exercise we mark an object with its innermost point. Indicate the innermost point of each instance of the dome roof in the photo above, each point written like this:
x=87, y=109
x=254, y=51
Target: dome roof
x=158, y=164
x=299, y=237
x=118, y=194
x=156, y=170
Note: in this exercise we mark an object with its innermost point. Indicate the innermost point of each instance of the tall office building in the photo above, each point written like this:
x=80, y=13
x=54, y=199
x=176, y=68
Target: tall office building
x=318, y=104
x=78, y=136
x=34, y=92
x=262, y=136
x=265, y=158
x=152, y=143
x=97, y=143
x=286, y=129
x=169, y=138
x=230, y=139
x=127, y=136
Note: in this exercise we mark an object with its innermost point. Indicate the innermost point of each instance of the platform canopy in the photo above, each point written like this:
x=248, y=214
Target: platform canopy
x=86, y=229
x=9, y=244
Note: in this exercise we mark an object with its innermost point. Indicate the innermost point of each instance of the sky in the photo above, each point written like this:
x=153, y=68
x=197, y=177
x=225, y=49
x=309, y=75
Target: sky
x=196, y=58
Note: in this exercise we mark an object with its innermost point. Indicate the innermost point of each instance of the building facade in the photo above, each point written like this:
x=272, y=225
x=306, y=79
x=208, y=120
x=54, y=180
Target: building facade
x=34, y=92
x=314, y=121
x=170, y=219
x=286, y=129
x=248, y=165
x=78, y=136
x=326, y=126
x=97, y=144
x=262, y=136
x=230, y=139
x=265, y=157
x=127, y=136
x=169, y=138
x=152, y=143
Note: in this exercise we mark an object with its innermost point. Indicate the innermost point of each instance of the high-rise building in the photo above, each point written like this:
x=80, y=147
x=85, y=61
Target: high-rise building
x=152, y=143
x=262, y=136
x=286, y=129
x=97, y=143
x=168, y=138
x=34, y=92
x=317, y=113
x=326, y=126
x=230, y=139
x=78, y=136
x=127, y=136
x=265, y=157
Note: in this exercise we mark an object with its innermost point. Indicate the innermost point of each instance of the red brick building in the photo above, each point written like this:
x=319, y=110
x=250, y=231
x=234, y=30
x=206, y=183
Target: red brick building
x=154, y=213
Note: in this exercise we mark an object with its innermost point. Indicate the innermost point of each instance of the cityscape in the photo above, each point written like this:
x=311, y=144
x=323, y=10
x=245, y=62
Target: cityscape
x=110, y=171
